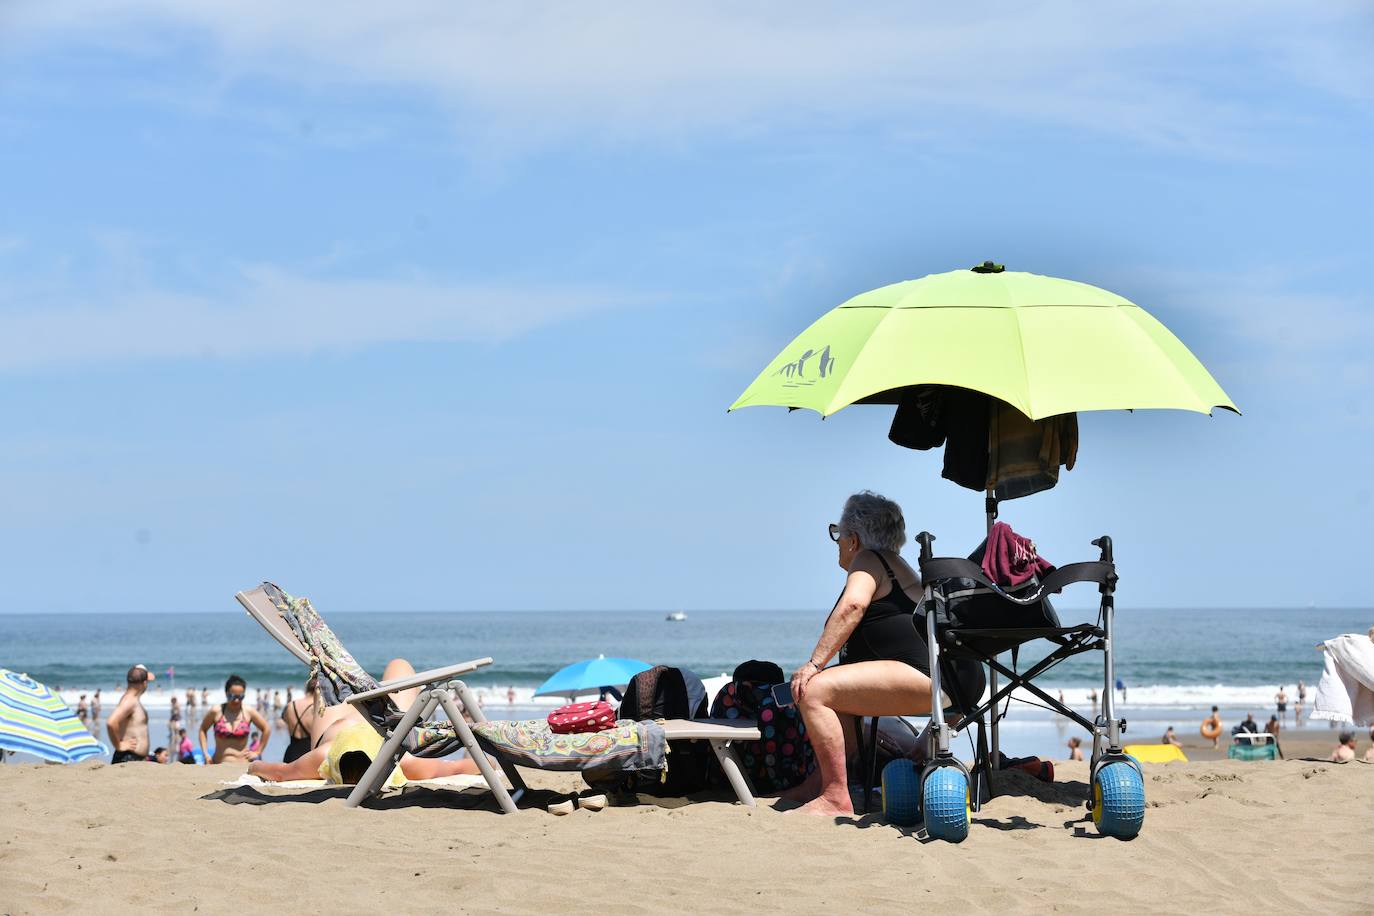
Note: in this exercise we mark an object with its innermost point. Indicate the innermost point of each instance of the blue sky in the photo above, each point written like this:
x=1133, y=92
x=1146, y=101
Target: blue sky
x=440, y=308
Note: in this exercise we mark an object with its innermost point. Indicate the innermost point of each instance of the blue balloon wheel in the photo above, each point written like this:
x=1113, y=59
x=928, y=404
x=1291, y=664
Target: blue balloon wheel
x=1118, y=801
x=946, y=804
x=901, y=793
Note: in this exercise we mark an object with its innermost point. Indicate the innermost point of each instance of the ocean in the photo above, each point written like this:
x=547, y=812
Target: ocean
x=1175, y=663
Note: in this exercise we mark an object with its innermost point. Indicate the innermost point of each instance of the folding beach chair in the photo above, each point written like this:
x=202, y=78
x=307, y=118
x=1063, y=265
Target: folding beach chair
x=969, y=618
x=298, y=627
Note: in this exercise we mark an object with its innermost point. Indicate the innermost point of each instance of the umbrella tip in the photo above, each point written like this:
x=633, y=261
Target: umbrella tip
x=987, y=267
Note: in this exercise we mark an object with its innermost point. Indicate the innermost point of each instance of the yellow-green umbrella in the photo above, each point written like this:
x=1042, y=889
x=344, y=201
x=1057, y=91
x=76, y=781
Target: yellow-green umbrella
x=1043, y=345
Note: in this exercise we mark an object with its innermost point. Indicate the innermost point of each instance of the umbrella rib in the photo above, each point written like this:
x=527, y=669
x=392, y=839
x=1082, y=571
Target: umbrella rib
x=830, y=408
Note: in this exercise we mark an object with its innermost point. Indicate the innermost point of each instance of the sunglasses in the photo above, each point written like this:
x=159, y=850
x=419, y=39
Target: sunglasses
x=234, y=697
x=835, y=533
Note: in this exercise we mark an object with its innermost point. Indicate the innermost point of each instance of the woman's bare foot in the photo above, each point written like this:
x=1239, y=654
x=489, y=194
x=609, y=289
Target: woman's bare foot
x=827, y=806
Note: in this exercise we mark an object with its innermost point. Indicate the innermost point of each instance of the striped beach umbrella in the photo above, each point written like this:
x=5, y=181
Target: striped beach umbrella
x=34, y=720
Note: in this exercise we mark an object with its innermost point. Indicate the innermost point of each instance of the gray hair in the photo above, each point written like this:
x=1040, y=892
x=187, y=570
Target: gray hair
x=876, y=520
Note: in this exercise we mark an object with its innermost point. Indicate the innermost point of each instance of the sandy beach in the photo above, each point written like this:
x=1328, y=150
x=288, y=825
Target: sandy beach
x=173, y=839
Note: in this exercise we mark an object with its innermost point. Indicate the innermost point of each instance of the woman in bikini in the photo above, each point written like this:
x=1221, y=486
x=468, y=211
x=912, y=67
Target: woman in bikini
x=232, y=721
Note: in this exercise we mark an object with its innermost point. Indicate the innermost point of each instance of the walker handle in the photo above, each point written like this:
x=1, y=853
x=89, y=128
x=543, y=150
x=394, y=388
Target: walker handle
x=925, y=538
x=1105, y=543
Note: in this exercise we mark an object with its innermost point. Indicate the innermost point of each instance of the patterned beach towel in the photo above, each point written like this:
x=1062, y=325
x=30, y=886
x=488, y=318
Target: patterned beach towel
x=627, y=748
x=336, y=671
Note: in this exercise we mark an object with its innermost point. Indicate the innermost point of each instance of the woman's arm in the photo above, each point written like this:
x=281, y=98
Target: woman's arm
x=205, y=725
x=844, y=617
x=260, y=721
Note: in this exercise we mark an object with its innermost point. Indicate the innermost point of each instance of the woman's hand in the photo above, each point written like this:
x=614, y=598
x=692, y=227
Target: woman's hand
x=800, y=678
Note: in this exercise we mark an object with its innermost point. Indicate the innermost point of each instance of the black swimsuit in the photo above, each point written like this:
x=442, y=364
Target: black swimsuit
x=298, y=746
x=888, y=630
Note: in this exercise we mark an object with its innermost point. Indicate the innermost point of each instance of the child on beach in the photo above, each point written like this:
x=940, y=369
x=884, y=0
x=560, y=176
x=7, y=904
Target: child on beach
x=1170, y=737
x=1345, y=750
x=1075, y=748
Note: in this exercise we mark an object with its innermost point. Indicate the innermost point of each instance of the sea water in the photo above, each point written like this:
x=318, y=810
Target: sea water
x=1175, y=663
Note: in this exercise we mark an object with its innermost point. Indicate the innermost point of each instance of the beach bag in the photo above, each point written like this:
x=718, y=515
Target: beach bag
x=782, y=757
x=671, y=693
x=578, y=718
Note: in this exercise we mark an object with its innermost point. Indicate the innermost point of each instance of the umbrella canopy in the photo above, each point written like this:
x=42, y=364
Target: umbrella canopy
x=1043, y=345
x=592, y=674
x=34, y=720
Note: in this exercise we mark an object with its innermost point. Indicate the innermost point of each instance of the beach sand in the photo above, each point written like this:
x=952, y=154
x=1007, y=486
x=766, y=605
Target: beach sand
x=1219, y=836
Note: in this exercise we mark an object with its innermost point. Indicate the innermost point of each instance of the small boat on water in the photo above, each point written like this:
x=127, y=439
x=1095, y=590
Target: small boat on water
x=676, y=616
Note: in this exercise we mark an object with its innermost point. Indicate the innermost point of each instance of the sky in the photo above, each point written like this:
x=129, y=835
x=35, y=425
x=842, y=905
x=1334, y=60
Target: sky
x=439, y=306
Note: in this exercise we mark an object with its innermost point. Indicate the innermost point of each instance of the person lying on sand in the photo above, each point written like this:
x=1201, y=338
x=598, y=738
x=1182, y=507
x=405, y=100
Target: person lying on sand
x=346, y=725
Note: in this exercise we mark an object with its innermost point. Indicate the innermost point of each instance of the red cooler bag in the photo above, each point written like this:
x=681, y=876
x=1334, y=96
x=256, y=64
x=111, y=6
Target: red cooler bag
x=582, y=717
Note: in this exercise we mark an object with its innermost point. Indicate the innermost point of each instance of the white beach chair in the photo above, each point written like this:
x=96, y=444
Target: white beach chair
x=439, y=687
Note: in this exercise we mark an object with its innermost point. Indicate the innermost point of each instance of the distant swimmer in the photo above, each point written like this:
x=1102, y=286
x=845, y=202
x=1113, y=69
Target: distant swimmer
x=1281, y=701
x=83, y=712
x=95, y=708
x=510, y=696
x=128, y=724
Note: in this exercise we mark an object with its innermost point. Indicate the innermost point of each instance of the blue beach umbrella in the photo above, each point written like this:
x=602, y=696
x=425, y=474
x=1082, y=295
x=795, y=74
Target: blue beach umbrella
x=592, y=674
x=34, y=720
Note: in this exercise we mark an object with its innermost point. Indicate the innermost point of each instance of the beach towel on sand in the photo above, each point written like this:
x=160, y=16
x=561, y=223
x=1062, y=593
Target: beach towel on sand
x=1345, y=692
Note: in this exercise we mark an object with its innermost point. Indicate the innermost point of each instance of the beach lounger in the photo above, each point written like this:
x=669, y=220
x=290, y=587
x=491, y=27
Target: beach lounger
x=301, y=631
x=722, y=733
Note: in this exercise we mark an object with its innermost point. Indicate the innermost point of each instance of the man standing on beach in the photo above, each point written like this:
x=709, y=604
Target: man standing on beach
x=128, y=724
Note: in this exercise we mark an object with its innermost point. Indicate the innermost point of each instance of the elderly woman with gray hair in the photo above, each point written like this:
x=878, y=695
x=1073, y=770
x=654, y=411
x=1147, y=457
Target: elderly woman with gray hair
x=883, y=665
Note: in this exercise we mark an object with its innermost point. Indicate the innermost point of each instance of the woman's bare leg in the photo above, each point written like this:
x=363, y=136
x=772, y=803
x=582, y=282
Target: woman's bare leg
x=397, y=668
x=810, y=788
x=879, y=688
x=426, y=768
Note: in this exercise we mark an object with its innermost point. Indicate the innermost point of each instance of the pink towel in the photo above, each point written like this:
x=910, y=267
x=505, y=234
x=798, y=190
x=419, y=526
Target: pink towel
x=1010, y=560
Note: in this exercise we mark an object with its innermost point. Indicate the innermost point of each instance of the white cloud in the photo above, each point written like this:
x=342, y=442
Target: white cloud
x=271, y=311
x=1184, y=75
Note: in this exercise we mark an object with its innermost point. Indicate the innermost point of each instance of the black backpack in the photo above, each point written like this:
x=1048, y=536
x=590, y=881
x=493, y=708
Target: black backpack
x=671, y=693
